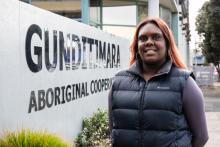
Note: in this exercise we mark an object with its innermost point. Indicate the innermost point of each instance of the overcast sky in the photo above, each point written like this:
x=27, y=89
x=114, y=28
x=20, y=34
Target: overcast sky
x=194, y=6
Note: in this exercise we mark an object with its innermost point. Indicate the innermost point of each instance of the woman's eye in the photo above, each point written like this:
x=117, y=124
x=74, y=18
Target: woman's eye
x=142, y=38
x=157, y=37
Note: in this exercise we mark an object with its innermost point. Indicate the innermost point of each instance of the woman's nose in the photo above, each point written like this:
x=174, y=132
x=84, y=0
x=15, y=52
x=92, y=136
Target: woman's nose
x=149, y=42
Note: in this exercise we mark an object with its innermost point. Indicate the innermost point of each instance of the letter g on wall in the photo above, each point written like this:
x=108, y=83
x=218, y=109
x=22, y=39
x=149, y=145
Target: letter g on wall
x=34, y=67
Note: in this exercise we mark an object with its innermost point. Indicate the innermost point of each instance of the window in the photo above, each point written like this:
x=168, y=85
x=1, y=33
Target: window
x=142, y=11
x=166, y=15
x=67, y=8
x=120, y=17
x=95, y=13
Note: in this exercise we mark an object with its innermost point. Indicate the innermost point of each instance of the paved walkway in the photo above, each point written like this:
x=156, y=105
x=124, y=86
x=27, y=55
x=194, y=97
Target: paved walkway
x=212, y=107
x=213, y=122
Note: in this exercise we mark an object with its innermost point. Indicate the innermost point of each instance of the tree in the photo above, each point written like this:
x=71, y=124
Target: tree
x=208, y=27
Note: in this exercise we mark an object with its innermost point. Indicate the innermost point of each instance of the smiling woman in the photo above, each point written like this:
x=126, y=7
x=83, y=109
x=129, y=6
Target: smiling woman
x=155, y=102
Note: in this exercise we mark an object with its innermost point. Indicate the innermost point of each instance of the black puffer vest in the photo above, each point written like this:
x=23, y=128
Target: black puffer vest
x=149, y=113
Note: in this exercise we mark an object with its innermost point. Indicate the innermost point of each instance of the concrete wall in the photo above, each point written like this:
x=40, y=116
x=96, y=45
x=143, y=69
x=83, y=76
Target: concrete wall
x=54, y=70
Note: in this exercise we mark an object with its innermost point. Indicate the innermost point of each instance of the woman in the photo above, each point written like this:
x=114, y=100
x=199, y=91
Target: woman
x=155, y=103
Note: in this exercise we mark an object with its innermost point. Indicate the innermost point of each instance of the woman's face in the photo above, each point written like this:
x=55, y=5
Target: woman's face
x=152, y=45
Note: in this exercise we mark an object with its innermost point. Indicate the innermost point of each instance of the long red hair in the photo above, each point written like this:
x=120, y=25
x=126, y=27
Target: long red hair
x=173, y=52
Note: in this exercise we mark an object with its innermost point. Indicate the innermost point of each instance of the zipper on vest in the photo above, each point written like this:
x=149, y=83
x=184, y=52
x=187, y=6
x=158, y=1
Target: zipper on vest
x=141, y=114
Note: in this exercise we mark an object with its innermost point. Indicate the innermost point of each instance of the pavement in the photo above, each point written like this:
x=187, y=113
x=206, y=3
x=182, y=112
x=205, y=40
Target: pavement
x=212, y=108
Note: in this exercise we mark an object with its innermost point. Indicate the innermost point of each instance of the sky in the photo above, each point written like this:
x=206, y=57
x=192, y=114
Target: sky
x=194, y=6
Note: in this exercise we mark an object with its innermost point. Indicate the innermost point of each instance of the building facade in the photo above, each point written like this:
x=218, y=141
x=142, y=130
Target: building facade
x=120, y=17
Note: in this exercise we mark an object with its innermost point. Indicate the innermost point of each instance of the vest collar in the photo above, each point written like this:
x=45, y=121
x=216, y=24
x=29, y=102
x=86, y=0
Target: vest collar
x=137, y=70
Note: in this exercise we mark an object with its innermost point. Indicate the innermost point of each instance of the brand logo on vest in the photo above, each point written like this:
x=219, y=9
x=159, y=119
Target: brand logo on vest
x=163, y=87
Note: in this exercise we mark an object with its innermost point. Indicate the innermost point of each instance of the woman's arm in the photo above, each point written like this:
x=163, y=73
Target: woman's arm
x=193, y=107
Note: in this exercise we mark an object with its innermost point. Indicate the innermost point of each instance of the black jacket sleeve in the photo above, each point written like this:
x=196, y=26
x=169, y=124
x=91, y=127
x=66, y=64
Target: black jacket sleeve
x=110, y=109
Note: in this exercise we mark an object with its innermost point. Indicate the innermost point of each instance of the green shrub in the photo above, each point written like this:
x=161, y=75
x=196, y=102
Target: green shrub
x=95, y=131
x=28, y=138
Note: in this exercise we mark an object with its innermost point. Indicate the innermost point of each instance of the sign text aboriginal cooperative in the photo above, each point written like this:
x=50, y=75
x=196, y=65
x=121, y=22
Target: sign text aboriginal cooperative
x=70, y=52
